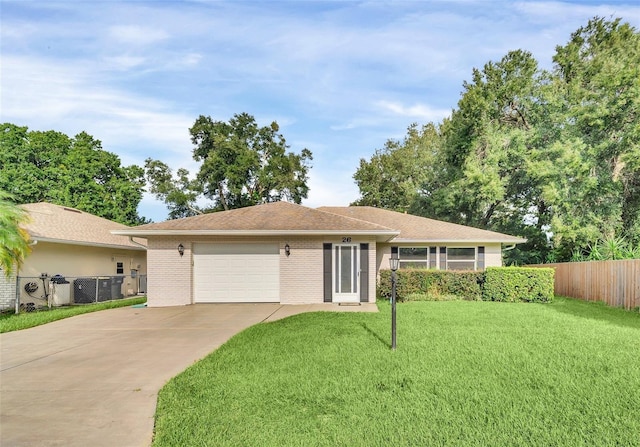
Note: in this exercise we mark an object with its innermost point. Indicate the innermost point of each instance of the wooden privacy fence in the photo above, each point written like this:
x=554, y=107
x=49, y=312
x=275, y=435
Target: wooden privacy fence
x=617, y=283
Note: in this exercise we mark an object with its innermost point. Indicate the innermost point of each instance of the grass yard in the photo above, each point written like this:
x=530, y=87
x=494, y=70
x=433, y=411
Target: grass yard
x=465, y=374
x=12, y=322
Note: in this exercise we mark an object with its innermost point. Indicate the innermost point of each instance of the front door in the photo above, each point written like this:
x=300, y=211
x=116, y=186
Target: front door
x=346, y=273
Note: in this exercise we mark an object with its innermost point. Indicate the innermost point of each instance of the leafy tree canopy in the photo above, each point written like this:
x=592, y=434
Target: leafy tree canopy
x=551, y=156
x=396, y=175
x=51, y=167
x=242, y=164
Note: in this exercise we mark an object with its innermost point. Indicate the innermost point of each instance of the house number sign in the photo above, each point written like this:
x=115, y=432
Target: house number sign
x=346, y=240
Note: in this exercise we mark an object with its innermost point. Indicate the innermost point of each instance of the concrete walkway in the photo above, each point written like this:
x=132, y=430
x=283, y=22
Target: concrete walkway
x=93, y=379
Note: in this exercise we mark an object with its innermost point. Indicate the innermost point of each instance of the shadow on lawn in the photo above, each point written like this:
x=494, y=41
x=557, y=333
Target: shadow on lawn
x=386, y=343
x=596, y=311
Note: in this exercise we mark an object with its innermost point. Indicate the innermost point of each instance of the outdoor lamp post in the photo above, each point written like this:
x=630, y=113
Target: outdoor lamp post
x=394, y=263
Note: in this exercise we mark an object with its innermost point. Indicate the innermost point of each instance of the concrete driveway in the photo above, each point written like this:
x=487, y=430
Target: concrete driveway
x=93, y=379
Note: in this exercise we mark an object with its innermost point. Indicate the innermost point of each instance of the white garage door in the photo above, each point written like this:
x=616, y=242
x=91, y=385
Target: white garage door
x=236, y=273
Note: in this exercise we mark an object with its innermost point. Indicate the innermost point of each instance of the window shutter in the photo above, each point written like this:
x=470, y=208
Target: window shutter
x=480, y=258
x=364, y=273
x=433, y=257
x=326, y=255
x=443, y=258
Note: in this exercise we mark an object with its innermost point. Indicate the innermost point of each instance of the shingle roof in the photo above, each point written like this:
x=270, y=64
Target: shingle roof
x=55, y=223
x=269, y=218
x=288, y=218
x=414, y=228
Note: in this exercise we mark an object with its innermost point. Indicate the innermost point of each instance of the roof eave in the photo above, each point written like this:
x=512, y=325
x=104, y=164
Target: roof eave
x=85, y=243
x=379, y=234
x=459, y=241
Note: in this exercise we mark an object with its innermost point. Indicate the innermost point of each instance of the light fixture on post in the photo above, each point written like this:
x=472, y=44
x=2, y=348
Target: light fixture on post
x=181, y=250
x=287, y=250
x=394, y=263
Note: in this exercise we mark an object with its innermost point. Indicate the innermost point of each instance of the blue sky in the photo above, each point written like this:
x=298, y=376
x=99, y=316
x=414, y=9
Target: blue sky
x=339, y=77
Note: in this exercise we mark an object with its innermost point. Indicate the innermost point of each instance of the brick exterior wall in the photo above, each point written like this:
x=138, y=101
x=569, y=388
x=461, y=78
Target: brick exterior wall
x=168, y=274
x=170, y=277
x=7, y=291
x=301, y=280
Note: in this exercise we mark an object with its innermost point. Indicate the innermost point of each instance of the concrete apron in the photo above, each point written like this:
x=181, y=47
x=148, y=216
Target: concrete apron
x=93, y=379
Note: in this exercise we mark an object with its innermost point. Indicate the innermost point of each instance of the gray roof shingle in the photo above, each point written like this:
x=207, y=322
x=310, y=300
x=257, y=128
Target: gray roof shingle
x=289, y=218
x=274, y=218
x=414, y=228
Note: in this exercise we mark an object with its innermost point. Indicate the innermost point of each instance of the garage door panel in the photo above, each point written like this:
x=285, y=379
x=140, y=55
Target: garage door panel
x=235, y=273
x=236, y=249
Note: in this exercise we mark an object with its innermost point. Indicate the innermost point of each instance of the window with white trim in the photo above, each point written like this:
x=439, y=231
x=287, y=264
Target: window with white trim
x=444, y=258
x=414, y=257
x=461, y=258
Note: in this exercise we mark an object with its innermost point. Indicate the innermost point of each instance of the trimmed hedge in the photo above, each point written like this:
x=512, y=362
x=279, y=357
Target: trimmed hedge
x=518, y=284
x=494, y=284
x=432, y=285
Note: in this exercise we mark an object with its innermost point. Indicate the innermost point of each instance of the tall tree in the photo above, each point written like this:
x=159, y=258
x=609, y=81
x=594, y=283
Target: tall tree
x=599, y=70
x=553, y=157
x=179, y=192
x=14, y=240
x=49, y=166
x=494, y=164
x=486, y=140
x=242, y=164
x=395, y=176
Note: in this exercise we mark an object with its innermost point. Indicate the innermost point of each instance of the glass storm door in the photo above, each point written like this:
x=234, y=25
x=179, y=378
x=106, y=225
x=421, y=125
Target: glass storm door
x=346, y=273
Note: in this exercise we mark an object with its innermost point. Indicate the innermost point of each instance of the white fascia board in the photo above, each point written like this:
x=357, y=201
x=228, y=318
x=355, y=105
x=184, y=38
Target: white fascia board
x=86, y=244
x=460, y=241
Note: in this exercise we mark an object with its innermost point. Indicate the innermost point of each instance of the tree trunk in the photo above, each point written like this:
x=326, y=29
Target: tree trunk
x=223, y=200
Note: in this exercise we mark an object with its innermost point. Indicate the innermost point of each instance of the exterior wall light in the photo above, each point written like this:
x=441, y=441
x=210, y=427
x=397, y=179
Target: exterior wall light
x=287, y=250
x=181, y=250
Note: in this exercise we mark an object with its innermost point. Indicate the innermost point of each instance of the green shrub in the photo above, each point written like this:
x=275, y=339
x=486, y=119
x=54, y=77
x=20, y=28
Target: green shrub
x=509, y=284
x=433, y=285
x=518, y=284
x=431, y=296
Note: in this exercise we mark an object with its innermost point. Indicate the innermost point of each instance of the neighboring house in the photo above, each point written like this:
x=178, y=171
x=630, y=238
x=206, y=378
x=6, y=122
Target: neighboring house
x=291, y=254
x=69, y=242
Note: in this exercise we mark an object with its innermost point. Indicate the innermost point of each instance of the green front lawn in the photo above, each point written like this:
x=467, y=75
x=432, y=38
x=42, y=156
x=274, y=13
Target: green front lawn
x=465, y=374
x=15, y=322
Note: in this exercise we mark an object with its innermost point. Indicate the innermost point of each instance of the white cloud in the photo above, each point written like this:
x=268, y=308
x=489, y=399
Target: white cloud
x=191, y=59
x=340, y=77
x=124, y=62
x=422, y=112
x=559, y=13
x=328, y=188
x=152, y=209
x=346, y=126
x=54, y=95
x=136, y=35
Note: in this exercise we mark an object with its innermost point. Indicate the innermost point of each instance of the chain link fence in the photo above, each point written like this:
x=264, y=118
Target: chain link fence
x=36, y=292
